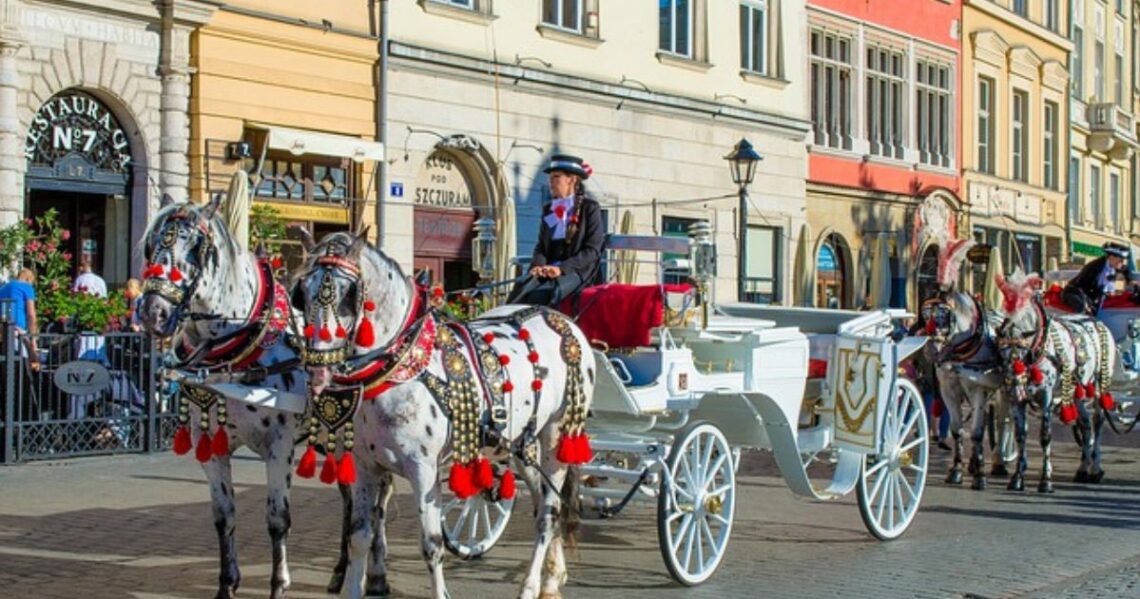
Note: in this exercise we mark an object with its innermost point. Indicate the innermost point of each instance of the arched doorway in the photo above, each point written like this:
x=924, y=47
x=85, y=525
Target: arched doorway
x=832, y=260
x=927, y=274
x=79, y=164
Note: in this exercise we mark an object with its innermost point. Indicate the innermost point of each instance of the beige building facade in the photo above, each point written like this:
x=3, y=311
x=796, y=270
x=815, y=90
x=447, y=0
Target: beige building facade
x=483, y=93
x=1015, y=89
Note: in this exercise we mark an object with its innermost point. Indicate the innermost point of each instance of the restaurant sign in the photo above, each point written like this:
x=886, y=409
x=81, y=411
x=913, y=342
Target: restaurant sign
x=441, y=183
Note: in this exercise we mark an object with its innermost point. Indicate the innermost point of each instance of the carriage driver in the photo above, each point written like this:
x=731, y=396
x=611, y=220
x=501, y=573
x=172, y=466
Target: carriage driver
x=1097, y=279
x=570, y=239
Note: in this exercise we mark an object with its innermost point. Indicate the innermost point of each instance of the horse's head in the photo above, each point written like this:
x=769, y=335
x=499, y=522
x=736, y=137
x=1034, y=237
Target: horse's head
x=945, y=316
x=1021, y=334
x=179, y=247
x=332, y=294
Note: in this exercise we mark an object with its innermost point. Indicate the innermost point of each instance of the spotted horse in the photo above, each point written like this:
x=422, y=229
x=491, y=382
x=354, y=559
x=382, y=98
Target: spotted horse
x=1059, y=363
x=227, y=318
x=421, y=388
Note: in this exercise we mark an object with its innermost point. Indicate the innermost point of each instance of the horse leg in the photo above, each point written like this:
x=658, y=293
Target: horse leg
x=954, y=476
x=998, y=437
x=545, y=527
x=376, y=583
x=337, y=580
x=1021, y=426
x=1096, y=474
x=977, y=451
x=1082, y=434
x=1046, y=484
x=360, y=532
x=279, y=477
x=221, y=496
x=425, y=487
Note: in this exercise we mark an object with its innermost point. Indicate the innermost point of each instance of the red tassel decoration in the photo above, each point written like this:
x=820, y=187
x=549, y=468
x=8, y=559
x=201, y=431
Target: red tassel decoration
x=1090, y=390
x=221, y=444
x=365, y=336
x=508, y=387
x=437, y=292
x=931, y=327
x=536, y=384
x=1018, y=367
x=1068, y=413
x=182, y=441
x=507, y=485
x=1079, y=392
x=564, y=453
x=484, y=475
x=459, y=481
x=204, y=451
x=1036, y=375
x=524, y=334
x=328, y=471
x=488, y=337
x=1107, y=402
x=369, y=305
x=325, y=334
x=307, y=467
x=504, y=359
x=276, y=262
x=308, y=331
x=585, y=452
x=346, y=470
x=340, y=332
x=175, y=275
x=533, y=357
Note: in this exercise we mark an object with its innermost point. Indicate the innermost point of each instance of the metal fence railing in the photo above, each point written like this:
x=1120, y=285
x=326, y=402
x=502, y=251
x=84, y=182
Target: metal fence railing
x=91, y=395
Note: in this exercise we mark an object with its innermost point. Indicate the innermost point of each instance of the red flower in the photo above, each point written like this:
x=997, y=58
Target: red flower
x=50, y=247
x=276, y=262
x=28, y=222
x=437, y=292
x=33, y=245
x=67, y=255
x=560, y=212
x=65, y=235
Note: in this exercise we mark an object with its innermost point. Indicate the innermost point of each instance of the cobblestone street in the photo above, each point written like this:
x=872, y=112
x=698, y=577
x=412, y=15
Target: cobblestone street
x=141, y=527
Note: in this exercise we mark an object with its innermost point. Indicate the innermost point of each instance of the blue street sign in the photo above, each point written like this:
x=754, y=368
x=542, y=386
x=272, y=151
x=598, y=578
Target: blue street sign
x=397, y=189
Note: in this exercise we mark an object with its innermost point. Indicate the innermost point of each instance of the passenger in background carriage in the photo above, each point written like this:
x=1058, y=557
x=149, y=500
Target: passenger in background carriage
x=570, y=238
x=1086, y=292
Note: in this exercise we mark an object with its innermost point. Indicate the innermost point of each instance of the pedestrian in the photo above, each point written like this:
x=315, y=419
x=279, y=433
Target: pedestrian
x=1086, y=292
x=88, y=282
x=568, y=253
x=133, y=295
x=21, y=292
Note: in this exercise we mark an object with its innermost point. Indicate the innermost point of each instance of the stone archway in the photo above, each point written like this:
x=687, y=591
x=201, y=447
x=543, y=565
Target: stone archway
x=833, y=271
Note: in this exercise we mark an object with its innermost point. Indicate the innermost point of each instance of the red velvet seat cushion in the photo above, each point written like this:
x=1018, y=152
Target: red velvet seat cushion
x=621, y=315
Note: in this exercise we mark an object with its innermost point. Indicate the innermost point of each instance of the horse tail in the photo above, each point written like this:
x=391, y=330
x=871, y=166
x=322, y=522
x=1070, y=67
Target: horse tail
x=571, y=512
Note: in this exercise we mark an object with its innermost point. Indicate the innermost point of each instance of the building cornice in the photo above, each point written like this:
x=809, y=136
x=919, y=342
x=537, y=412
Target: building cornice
x=625, y=97
x=188, y=12
x=1024, y=61
x=990, y=47
x=1055, y=75
x=1014, y=20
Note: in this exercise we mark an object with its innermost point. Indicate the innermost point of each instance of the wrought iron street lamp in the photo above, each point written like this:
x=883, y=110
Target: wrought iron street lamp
x=483, y=249
x=702, y=260
x=742, y=162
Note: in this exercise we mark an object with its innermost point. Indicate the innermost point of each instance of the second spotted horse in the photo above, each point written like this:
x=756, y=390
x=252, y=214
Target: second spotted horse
x=1065, y=364
x=964, y=353
x=397, y=387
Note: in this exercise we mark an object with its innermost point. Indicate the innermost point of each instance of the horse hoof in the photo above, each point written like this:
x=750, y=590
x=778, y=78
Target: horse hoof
x=979, y=484
x=1016, y=483
x=999, y=470
x=226, y=593
x=1081, y=477
x=954, y=477
x=377, y=586
x=1096, y=478
x=1045, y=486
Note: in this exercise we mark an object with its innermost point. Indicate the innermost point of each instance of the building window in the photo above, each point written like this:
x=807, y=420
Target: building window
x=469, y=4
x=1019, y=7
x=1049, y=160
x=1077, y=68
x=885, y=107
x=1029, y=252
x=1114, y=201
x=1120, y=6
x=1118, y=83
x=675, y=226
x=831, y=89
x=1051, y=20
x=1098, y=71
x=563, y=14
x=285, y=177
x=676, y=27
x=985, y=125
x=1094, y=196
x=762, y=265
x=933, y=113
x=1074, y=195
x=753, y=36
x=1020, y=133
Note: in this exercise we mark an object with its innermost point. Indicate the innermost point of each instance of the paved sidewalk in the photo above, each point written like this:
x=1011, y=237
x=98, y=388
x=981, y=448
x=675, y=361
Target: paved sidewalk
x=140, y=527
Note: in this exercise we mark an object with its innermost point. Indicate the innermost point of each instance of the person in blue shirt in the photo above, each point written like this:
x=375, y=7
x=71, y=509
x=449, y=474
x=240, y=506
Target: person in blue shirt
x=22, y=294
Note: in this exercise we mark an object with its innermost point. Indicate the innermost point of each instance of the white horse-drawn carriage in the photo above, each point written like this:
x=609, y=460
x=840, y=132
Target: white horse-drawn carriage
x=670, y=417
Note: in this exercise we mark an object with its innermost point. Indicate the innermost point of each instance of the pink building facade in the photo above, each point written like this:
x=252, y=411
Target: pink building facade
x=884, y=184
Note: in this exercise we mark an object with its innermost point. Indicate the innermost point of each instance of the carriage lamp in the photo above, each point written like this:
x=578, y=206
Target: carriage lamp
x=702, y=257
x=742, y=162
x=483, y=249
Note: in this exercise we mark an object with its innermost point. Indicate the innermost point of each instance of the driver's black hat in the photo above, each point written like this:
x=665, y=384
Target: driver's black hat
x=1116, y=249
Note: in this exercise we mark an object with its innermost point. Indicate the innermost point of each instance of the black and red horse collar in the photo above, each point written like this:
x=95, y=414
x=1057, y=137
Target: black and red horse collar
x=969, y=347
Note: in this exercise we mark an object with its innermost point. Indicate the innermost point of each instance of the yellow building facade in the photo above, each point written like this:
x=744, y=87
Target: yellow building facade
x=1015, y=95
x=286, y=91
x=1103, y=135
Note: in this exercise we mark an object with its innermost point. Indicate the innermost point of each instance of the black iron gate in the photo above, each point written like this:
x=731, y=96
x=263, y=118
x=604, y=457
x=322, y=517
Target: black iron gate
x=90, y=395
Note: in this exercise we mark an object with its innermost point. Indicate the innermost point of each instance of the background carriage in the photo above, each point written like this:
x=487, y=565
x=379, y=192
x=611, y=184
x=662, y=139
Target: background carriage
x=671, y=415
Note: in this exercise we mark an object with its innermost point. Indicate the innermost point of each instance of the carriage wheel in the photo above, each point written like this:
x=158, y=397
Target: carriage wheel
x=891, y=483
x=694, y=513
x=472, y=526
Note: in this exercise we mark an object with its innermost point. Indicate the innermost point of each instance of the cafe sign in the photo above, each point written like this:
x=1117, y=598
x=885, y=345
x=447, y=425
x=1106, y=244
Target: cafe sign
x=441, y=183
x=81, y=377
x=78, y=137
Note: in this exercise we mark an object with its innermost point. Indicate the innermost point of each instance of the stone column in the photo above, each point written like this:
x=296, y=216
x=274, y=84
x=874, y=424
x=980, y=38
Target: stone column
x=11, y=145
x=174, y=176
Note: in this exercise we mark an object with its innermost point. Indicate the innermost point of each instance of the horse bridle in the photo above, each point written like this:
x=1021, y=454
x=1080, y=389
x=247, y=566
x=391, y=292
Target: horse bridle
x=1032, y=342
x=326, y=301
x=162, y=286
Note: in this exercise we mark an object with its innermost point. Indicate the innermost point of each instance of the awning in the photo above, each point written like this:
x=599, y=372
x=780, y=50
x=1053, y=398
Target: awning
x=298, y=142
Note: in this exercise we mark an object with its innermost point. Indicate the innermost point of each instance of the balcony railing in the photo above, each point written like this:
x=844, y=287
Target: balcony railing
x=1113, y=129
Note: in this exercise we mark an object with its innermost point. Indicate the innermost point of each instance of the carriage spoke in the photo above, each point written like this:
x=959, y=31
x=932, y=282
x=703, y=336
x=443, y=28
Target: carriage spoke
x=908, y=426
x=682, y=530
x=459, y=522
x=710, y=476
x=877, y=467
x=674, y=516
x=890, y=496
x=720, y=519
x=883, y=497
x=692, y=534
x=721, y=490
x=917, y=468
x=899, y=500
x=711, y=539
x=473, y=530
x=502, y=509
x=698, y=534
x=912, y=444
x=877, y=486
x=909, y=489
x=705, y=459
x=487, y=517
